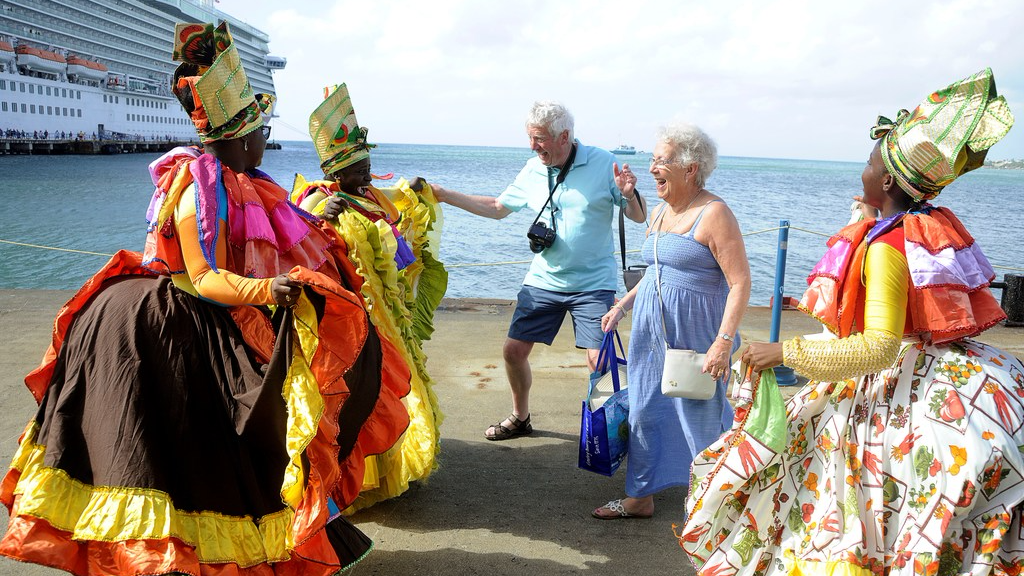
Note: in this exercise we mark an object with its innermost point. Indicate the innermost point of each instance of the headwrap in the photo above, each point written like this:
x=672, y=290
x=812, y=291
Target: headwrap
x=946, y=136
x=337, y=136
x=211, y=83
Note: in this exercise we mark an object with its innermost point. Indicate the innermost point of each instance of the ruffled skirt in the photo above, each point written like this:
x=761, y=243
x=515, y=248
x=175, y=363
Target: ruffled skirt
x=915, y=470
x=175, y=435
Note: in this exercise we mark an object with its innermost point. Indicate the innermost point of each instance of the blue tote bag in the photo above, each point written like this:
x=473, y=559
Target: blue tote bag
x=604, y=425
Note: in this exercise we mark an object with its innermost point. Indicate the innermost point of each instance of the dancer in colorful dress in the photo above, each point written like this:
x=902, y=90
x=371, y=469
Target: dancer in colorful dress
x=206, y=407
x=705, y=287
x=393, y=236
x=902, y=455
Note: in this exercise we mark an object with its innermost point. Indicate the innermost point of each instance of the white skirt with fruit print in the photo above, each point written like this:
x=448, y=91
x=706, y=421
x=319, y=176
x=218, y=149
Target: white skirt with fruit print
x=914, y=470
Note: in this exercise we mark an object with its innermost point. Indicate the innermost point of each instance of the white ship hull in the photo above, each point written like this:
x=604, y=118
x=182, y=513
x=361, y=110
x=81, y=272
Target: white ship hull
x=132, y=39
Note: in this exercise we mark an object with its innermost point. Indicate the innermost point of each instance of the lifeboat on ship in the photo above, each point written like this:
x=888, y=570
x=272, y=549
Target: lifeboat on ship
x=86, y=69
x=7, y=57
x=39, y=60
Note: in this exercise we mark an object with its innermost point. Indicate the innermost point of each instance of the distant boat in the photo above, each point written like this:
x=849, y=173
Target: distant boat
x=624, y=149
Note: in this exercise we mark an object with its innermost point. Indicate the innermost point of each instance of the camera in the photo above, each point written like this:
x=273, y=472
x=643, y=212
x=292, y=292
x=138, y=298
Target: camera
x=540, y=236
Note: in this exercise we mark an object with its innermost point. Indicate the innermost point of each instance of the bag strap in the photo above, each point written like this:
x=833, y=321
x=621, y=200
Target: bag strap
x=607, y=347
x=622, y=238
x=609, y=360
x=657, y=271
x=622, y=228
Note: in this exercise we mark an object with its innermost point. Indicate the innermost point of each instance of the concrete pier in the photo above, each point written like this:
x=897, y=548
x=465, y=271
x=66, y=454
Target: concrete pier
x=492, y=508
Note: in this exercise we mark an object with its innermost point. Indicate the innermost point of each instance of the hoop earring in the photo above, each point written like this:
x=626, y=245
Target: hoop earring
x=245, y=145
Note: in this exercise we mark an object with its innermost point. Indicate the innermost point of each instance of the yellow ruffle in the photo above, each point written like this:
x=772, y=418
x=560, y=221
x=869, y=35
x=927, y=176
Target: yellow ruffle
x=112, y=514
x=832, y=568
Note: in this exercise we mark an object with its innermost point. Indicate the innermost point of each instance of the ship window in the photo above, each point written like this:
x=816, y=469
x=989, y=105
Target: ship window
x=128, y=117
x=48, y=91
x=3, y=84
x=49, y=110
x=104, y=98
x=64, y=92
x=22, y=86
x=117, y=99
x=79, y=97
x=3, y=106
x=22, y=108
x=33, y=108
x=65, y=112
x=31, y=89
x=79, y=110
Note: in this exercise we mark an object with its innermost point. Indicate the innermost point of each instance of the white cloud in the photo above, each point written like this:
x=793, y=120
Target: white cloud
x=790, y=78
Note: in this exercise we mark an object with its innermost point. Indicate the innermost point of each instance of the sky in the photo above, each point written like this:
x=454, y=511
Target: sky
x=774, y=79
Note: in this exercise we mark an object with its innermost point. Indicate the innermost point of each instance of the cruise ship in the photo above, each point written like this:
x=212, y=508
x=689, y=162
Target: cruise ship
x=101, y=69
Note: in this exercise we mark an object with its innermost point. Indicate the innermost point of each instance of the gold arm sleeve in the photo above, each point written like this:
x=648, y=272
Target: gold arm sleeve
x=223, y=287
x=887, y=280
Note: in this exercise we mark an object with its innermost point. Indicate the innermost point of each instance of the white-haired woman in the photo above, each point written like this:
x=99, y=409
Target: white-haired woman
x=705, y=286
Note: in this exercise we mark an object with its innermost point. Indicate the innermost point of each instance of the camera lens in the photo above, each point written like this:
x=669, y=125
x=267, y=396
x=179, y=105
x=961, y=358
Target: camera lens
x=536, y=247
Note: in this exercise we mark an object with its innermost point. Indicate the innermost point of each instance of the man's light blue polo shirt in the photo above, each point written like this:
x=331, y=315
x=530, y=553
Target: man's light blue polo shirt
x=582, y=257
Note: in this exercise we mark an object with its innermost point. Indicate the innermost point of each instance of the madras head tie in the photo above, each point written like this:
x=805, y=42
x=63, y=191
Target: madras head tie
x=883, y=125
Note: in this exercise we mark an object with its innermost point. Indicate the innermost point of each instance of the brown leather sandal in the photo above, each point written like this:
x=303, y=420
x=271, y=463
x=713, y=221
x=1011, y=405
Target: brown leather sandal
x=516, y=427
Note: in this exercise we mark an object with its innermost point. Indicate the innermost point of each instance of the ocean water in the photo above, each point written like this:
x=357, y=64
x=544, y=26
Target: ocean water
x=98, y=204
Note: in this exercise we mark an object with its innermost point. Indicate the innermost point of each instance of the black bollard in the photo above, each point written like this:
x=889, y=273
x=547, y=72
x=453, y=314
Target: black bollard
x=1012, y=300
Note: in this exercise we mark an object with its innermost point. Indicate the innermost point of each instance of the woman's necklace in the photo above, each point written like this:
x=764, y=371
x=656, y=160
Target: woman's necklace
x=679, y=215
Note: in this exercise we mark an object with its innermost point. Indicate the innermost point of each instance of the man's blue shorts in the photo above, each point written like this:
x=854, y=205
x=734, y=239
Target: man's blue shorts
x=539, y=314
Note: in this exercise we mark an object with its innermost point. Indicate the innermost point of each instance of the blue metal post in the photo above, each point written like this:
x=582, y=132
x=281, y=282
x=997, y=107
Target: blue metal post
x=783, y=374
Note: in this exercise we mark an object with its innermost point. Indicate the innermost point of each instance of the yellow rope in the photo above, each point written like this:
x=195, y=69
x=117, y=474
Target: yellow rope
x=811, y=231
x=55, y=248
x=469, y=264
x=476, y=264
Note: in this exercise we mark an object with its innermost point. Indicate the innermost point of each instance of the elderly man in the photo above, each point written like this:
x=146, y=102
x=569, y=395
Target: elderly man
x=574, y=189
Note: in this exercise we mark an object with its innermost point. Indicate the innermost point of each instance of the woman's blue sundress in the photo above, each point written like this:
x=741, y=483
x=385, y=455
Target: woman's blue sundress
x=665, y=432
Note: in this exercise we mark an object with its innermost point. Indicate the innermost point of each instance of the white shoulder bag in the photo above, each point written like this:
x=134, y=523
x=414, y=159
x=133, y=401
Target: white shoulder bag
x=682, y=375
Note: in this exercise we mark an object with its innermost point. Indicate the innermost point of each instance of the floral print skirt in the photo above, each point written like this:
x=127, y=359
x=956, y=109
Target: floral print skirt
x=914, y=470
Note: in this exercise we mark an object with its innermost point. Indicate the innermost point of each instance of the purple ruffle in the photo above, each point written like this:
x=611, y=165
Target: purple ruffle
x=967, y=267
x=833, y=263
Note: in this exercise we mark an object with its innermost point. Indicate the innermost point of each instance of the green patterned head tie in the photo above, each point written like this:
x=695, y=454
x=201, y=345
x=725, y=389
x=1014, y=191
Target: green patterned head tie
x=337, y=136
x=211, y=83
x=946, y=136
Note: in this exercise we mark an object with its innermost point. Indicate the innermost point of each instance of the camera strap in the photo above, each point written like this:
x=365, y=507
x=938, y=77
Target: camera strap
x=562, y=173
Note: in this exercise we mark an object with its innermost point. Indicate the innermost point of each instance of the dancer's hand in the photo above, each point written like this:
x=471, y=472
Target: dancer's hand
x=334, y=207
x=762, y=355
x=286, y=291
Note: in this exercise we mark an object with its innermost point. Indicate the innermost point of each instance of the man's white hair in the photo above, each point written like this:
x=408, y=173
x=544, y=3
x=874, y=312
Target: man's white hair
x=552, y=116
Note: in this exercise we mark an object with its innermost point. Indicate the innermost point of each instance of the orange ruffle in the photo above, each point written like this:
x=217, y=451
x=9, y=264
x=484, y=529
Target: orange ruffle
x=941, y=229
x=34, y=540
x=935, y=313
